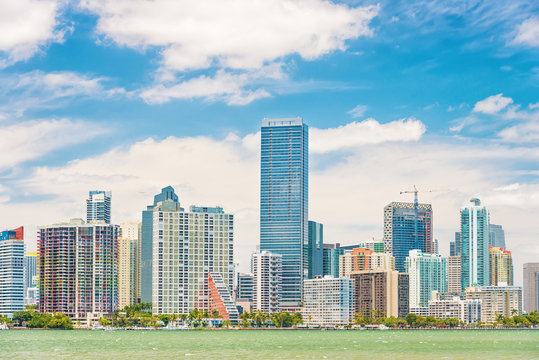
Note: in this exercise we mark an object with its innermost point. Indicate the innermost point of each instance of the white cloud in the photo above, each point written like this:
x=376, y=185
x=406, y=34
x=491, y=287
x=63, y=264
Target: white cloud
x=528, y=33
x=238, y=35
x=492, y=104
x=358, y=111
x=524, y=132
x=27, y=25
x=369, y=131
x=225, y=172
x=33, y=139
x=534, y=106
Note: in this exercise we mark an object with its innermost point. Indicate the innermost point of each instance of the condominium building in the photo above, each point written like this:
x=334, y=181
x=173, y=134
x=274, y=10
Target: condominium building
x=221, y=298
x=98, y=206
x=531, y=287
x=245, y=287
x=11, y=271
x=381, y=293
x=78, y=268
x=331, y=256
x=376, y=245
x=328, y=301
x=187, y=247
x=407, y=228
x=284, y=200
x=454, y=269
x=364, y=259
x=313, y=252
x=267, y=271
x=146, y=243
x=129, y=264
x=468, y=311
x=427, y=272
x=501, y=266
x=30, y=278
x=496, y=300
x=455, y=247
x=497, y=236
x=474, y=240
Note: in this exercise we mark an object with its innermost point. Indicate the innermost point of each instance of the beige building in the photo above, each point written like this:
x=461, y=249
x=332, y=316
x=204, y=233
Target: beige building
x=364, y=259
x=468, y=311
x=454, y=270
x=381, y=293
x=531, y=287
x=501, y=266
x=129, y=268
x=496, y=300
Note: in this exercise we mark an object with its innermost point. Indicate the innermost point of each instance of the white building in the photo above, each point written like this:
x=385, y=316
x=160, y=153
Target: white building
x=11, y=273
x=267, y=270
x=468, y=311
x=497, y=300
x=427, y=272
x=187, y=246
x=328, y=301
x=129, y=264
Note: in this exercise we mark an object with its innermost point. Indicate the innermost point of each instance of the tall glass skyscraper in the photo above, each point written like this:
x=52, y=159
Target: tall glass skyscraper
x=497, y=236
x=284, y=200
x=98, y=206
x=146, y=243
x=474, y=230
x=313, y=258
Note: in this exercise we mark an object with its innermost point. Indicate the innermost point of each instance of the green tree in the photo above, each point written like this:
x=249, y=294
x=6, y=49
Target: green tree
x=60, y=321
x=39, y=321
x=104, y=321
x=22, y=317
x=410, y=319
x=227, y=323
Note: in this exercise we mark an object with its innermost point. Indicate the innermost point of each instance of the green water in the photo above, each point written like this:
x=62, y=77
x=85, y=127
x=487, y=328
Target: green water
x=271, y=344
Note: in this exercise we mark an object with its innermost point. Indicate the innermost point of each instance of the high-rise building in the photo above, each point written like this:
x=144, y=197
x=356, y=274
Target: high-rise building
x=146, y=243
x=220, y=298
x=328, y=301
x=11, y=271
x=468, y=311
x=364, y=259
x=455, y=247
x=428, y=272
x=496, y=300
x=376, y=245
x=129, y=264
x=267, y=271
x=187, y=246
x=404, y=231
x=245, y=287
x=284, y=200
x=313, y=252
x=78, y=268
x=382, y=293
x=531, y=287
x=501, y=266
x=435, y=247
x=497, y=236
x=98, y=206
x=30, y=278
x=474, y=230
x=332, y=253
x=454, y=270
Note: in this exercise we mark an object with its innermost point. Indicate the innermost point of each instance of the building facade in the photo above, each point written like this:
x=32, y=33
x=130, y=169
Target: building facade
x=468, y=311
x=496, y=300
x=12, y=252
x=129, y=264
x=454, y=270
x=313, y=252
x=284, y=200
x=497, y=236
x=364, y=259
x=30, y=278
x=245, y=287
x=221, y=298
x=98, y=206
x=331, y=256
x=187, y=247
x=381, y=293
x=328, y=301
x=531, y=287
x=146, y=243
x=267, y=271
x=404, y=231
x=427, y=272
x=474, y=233
x=78, y=268
x=501, y=266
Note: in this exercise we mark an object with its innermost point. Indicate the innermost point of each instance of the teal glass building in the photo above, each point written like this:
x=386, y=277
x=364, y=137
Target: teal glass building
x=313, y=252
x=474, y=239
x=284, y=200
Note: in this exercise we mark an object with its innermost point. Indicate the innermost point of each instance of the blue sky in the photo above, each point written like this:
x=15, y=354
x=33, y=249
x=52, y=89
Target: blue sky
x=134, y=95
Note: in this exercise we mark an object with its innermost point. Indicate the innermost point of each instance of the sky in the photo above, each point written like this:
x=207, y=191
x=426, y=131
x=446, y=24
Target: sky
x=134, y=95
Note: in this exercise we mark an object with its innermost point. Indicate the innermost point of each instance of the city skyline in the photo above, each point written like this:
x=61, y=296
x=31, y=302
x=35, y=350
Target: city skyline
x=444, y=98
